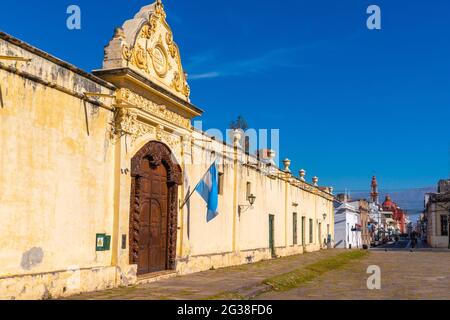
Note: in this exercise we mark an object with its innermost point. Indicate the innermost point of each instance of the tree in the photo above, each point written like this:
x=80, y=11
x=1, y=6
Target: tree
x=239, y=123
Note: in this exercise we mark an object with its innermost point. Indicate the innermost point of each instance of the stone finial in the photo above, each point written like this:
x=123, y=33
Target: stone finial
x=272, y=154
x=236, y=136
x=331, y=190
x=287, y=164
x=315, y=181
x=119, y=33
x=302, y=174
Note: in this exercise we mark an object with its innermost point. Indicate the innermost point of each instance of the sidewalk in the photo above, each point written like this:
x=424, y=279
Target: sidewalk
x=228, y=283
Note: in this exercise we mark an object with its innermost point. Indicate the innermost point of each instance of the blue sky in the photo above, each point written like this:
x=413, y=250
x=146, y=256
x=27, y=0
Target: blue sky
x=349, y=102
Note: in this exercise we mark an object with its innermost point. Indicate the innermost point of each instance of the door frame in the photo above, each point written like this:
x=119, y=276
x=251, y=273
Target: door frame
x=158, y=154
x=319, y=233
x=272, y=235
x=304, y=231
x=294, y=228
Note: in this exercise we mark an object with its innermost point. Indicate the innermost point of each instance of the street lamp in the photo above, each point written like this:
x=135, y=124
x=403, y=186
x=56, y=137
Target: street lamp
x=251, y=200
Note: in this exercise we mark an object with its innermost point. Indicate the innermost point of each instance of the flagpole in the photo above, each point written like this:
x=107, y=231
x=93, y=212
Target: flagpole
x=187, y=199
x=192, y=193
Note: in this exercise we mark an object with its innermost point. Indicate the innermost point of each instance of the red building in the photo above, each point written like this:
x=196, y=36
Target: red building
x=397, y=213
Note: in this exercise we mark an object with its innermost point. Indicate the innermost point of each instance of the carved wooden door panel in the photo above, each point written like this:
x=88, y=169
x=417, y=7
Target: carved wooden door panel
x=155, y=178
x=153, y=230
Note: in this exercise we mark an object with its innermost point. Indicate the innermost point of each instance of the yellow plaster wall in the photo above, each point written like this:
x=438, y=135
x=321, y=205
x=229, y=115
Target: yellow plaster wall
x=215, y=244
x=56, y=174
x=63, y=179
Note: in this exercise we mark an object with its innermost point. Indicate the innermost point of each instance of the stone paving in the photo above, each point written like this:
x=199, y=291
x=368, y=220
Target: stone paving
x=404, y=276
x=211, y=283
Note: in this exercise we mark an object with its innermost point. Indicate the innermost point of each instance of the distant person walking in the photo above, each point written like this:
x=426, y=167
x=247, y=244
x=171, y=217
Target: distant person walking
x=413, y=239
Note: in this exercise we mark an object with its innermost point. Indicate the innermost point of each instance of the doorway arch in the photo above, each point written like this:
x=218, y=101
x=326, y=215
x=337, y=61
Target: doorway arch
x=155, y=177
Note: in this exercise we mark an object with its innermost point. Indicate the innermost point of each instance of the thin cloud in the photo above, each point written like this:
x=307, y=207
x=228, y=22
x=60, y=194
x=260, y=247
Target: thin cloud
x=201, y=59
x=274, y=59
x=208, y=75
x=205, y=66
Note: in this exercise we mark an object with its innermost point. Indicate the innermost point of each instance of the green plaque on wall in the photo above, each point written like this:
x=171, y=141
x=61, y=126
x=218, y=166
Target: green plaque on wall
x=107, y=243
x=103, y=242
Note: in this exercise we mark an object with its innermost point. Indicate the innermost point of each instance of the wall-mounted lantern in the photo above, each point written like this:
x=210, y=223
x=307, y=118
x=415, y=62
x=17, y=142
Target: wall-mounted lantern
x=251, y=200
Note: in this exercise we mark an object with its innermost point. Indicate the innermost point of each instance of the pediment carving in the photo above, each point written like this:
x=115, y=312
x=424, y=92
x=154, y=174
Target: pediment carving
x=130, y=98
x=146, y=45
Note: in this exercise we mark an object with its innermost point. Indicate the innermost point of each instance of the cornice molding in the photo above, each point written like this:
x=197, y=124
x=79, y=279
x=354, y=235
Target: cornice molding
x=127, y=98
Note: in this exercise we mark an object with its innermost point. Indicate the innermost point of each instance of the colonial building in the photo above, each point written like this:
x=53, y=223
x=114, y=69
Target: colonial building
x=437, y=213
x=362, y=206
x=95, y=167
x=377, y=221
x=347, y=224
x=398, y=215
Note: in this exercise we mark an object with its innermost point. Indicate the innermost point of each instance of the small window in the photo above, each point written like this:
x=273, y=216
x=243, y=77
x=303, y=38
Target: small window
x=444, y=226
x=311, y=228
x=221, y=176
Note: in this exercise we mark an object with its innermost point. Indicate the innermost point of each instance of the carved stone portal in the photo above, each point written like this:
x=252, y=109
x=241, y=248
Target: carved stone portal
x=145, y=44
x=154, y=157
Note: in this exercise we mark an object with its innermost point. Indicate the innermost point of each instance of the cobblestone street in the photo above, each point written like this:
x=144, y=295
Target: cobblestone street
x=405, y=275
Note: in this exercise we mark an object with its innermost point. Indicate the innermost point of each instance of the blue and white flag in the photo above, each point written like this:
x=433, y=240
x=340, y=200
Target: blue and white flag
x=208, y=188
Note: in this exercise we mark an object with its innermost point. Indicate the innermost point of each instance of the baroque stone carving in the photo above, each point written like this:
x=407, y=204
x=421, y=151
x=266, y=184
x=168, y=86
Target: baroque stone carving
x=140, y=58
x=128, y=97
x=154, y=52
x=160, y=60
x=158, y=154
x=128, y=123
x=179, y=83
x=171, y=140
x=172, y=47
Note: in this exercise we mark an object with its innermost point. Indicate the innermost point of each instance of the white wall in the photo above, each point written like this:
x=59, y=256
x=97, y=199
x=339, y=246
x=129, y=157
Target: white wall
x=345, y=221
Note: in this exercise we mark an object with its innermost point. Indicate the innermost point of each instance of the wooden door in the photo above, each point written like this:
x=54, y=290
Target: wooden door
x=303, y=231
x=155, y=178
x=153, y=243
x=294, y=229
x=319, y=234
x=272, y=235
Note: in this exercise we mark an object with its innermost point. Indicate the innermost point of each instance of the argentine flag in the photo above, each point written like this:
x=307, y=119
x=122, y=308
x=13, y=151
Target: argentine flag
x=208, y=189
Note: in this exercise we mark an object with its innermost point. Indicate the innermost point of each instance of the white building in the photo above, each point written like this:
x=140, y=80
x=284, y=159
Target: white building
x=375, y=214
x=437, y=211
x=347, y=226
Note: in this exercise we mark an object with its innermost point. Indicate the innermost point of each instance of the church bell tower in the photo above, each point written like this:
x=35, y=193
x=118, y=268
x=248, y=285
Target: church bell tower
x=374, y=191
